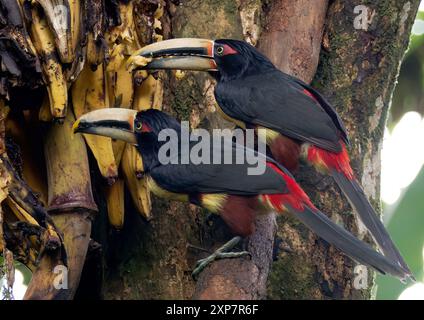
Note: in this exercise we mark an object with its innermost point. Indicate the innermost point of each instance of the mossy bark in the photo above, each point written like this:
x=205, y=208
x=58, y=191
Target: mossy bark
x=357, y=72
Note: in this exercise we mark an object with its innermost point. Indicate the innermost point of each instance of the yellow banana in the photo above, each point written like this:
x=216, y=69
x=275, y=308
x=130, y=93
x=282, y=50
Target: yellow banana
x=64, y=19
x=137, y=186
x=115, y=193
x=115, y=198
x=120, y=90
x=149, y=94
x=89, y=93
x=19, y=212
x=43, y=41
x=120, y=80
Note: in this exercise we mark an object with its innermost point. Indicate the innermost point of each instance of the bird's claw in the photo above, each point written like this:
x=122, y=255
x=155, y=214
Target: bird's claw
x=220, y=254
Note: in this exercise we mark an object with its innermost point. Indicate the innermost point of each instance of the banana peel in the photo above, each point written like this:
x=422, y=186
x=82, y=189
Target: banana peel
x=53, y=76
x=137, y=186
x=149, y=94
x=115, y=199
x=88, y=94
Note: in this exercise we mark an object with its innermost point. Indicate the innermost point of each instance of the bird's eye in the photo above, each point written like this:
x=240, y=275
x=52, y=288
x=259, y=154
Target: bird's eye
x=220, y=50
x=138, y=126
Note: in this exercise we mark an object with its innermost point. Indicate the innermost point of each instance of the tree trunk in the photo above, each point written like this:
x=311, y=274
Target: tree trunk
x=357, y=70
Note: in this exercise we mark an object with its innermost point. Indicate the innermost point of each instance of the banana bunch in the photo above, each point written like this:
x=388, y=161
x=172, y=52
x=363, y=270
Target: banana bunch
x=78, y=52
x=122, y=41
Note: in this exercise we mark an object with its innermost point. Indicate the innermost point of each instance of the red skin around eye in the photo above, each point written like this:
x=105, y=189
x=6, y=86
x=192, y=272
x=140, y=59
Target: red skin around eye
x=228, y=50
x=145, y=128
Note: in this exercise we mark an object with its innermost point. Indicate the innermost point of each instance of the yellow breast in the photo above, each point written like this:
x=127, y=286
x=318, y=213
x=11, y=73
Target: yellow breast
x=266, y=135
x=228, y=118
x=162, y=193
x=213, y=202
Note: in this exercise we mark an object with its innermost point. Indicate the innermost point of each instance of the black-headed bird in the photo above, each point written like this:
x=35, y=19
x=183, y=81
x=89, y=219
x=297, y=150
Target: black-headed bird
x=301, y=123
x=223, y=188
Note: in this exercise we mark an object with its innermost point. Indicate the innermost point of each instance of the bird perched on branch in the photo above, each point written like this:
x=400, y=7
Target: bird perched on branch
x=300, y=122
x=226, y=189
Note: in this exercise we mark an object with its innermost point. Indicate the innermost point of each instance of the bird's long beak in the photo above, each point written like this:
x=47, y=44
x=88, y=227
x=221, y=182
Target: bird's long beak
x=116, y=123
x=183, y=54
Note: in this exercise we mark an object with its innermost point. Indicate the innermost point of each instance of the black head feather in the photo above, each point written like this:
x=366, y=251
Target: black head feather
x=153, y=122
x=247, y=61
x=157, y=120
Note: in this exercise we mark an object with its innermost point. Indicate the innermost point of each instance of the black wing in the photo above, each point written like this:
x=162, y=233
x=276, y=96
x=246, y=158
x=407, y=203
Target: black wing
x=276, y=101
x=220, y=178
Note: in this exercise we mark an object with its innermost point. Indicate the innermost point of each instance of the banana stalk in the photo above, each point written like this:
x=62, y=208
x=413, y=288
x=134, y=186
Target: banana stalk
x=71, y=204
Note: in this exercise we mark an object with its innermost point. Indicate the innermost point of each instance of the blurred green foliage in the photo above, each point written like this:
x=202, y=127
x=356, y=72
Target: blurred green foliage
x=409, y=93
x=407, y=223
x=407, y=230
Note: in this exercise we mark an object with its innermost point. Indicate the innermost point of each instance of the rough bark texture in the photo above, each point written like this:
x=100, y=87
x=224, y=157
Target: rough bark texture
x=294, y=48
x=357, y=72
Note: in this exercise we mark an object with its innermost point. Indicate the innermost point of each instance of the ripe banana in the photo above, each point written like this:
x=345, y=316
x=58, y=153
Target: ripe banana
x=120, y=80
x=115, y=198
x=43, y=40
x=64, y=19
x=115, y=193
x=136, y=185
x=89, y=93
x=149, y=94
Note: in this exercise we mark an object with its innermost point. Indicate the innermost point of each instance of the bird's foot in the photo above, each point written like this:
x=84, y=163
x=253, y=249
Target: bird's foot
x=220, y=253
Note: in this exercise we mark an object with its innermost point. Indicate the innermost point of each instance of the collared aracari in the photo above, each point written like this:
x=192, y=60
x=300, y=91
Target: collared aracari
x=300, y=122
x=226, y=189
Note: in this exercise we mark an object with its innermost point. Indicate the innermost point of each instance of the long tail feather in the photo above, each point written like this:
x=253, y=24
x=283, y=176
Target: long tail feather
x=368, y=216
x=324, y=227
